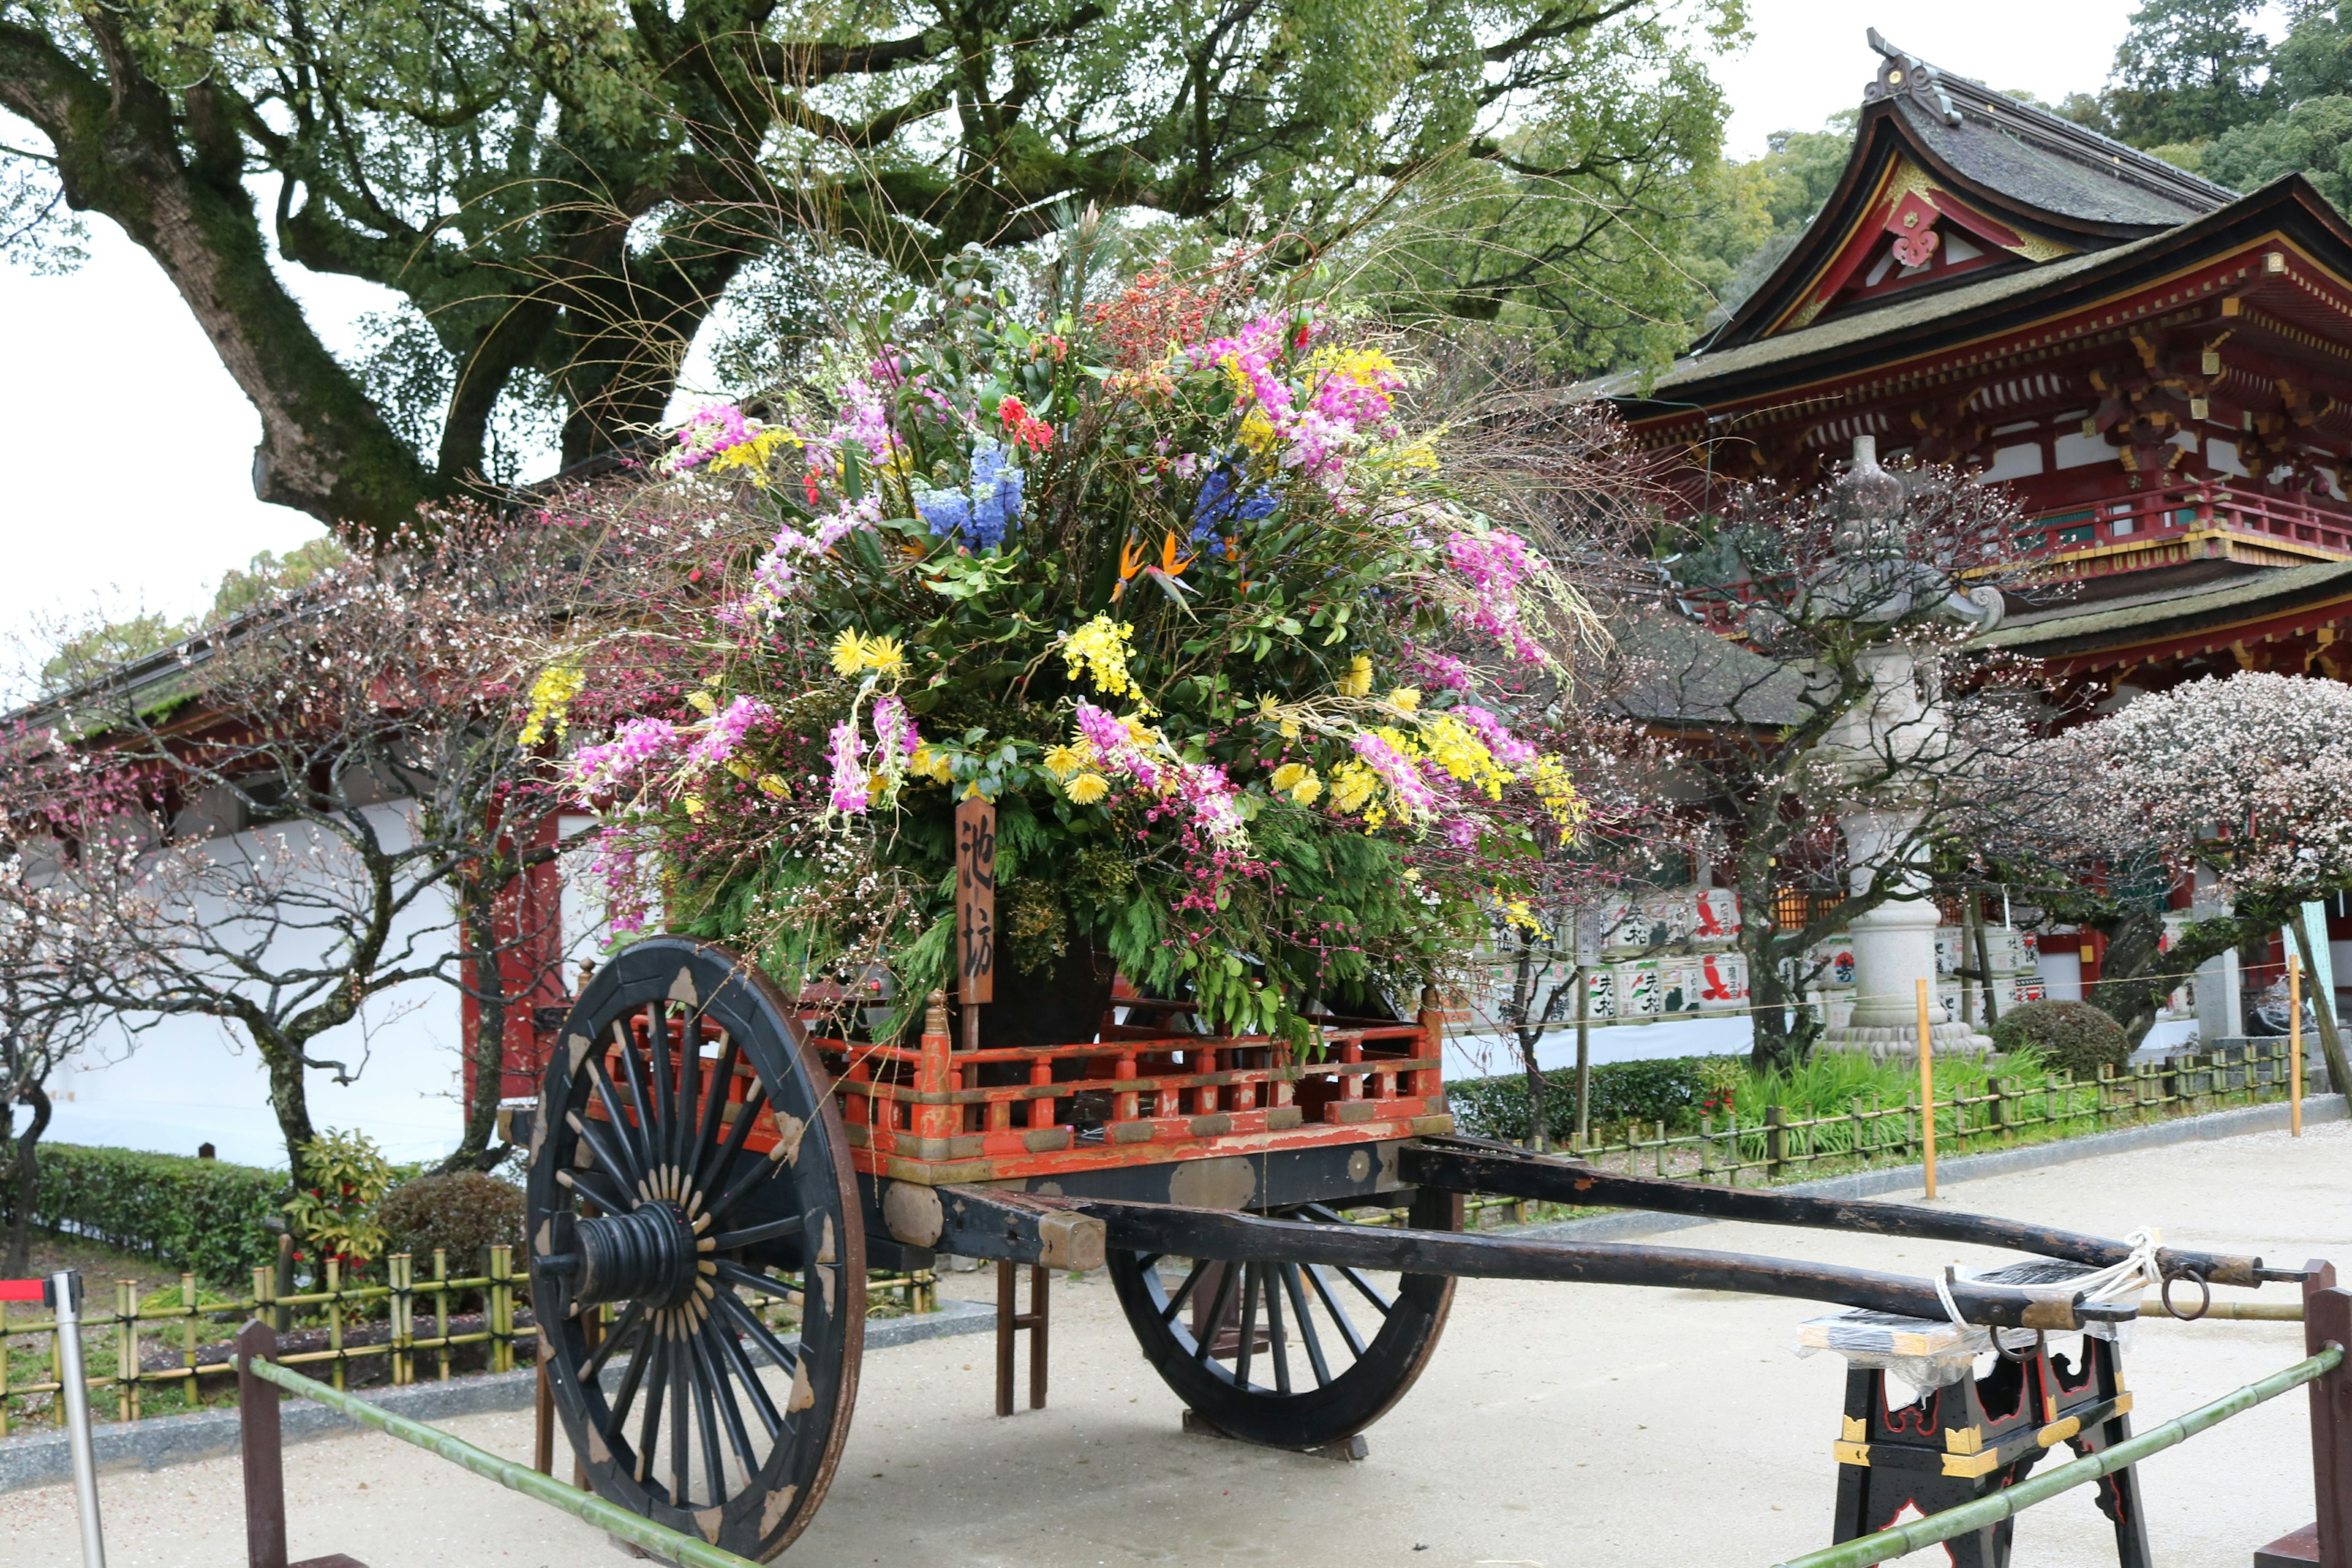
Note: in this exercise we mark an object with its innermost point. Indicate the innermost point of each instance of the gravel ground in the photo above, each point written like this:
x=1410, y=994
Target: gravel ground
x=1558, y=1425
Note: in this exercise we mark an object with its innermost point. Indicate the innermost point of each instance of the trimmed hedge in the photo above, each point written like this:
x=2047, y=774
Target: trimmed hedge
x=458, y=1214
x=2074, y=1037
x=202, y=1215
x=1667, y=1090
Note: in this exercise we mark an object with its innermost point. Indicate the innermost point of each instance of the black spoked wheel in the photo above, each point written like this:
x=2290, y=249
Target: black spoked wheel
x=1293, y=1354
x=690, y=1177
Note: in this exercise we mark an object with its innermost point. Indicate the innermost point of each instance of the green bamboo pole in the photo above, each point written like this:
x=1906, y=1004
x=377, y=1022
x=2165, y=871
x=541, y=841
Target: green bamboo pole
x=2009, y=1501
x=610, y=1518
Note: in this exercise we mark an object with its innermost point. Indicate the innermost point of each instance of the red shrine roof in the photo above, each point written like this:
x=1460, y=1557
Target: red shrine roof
x=1950, y=180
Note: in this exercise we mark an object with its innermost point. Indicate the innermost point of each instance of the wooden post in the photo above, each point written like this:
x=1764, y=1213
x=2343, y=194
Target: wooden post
x=1776, y=1147
x=976, y=912
x=1009, y=1321
x=542, y=1433
x=2327, y=1319
x=1583, y=1056
x=263, y=1448
x=1927, y=1091
x=2295, y=1042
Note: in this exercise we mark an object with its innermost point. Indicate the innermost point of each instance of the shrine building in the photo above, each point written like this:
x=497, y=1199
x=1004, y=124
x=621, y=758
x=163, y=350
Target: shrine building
x=2158, y=368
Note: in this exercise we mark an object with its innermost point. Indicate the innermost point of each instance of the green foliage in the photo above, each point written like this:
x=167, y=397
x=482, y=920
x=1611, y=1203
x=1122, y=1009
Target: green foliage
x=2313, y=138
x=269, y=575
x=343, y=1174
x=458, y=1214
x=207, y=1217
x=107, y=647
x=1760, y=206
x=563, y=194
x=2187, y=70
x=2314, y=58
x=1827, y=1083
x=2073, y=1037
x=1668, y=1089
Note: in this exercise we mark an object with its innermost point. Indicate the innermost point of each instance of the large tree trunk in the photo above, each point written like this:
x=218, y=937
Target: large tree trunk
x=2124, y=991
x=290, y=1099
x=25, y=1172
x=1528, y=1031
x=325, y=449
x=486, y=1049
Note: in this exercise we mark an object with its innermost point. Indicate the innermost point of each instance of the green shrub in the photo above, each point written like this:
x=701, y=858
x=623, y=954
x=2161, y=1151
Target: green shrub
x=2072, y=1037
x=1669, y=1089
x=207, y=1217
x=458, y=1214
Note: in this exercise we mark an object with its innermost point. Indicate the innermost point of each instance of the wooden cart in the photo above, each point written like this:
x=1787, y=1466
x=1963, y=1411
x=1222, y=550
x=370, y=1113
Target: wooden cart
x=699, y=1145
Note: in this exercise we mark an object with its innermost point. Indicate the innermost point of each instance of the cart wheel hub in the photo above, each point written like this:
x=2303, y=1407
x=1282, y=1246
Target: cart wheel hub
x=646, y=1255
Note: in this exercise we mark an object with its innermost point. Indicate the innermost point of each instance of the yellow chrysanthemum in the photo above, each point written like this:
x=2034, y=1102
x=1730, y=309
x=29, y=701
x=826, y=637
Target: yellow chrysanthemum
x=1457, y=749
x=1307, y=789
x=848, y=653
x=1407, y=698
x=932, y=764
x=1087, y=788
x=1063, y=760
x=1357, y=681
x=771, y=784
x=702, y=702
x=1352, y=785
x=742, y=769
x=693, y=806
x=883, y=655
x=1287, y=778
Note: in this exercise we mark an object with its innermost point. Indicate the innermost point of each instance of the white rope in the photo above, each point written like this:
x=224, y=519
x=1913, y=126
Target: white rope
x=2137, y=1273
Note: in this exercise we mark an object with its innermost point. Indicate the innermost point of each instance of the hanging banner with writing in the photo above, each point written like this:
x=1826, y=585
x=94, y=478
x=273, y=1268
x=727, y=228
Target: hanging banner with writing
x=975, y=853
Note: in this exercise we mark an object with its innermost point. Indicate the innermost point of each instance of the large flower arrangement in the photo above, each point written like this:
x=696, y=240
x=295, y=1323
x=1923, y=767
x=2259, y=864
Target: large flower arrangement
x=1174, y=579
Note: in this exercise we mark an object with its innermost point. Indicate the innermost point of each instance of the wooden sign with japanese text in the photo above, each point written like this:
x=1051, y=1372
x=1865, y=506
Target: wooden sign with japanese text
x=976, y=912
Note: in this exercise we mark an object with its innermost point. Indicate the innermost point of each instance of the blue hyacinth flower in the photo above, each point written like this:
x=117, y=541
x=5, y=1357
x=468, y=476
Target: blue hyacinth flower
x=1218, y=506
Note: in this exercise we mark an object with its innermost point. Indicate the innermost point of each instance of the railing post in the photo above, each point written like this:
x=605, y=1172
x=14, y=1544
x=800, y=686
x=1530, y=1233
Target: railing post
x=2327, y=1319
x=401, y=1269
x=73, y=1396
x=126, y=1346
x=501, y=1309
x=1775, y=1141
x=262, y=1446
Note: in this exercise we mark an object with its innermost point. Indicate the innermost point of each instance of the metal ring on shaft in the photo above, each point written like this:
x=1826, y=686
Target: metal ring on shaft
x=2202, y=1307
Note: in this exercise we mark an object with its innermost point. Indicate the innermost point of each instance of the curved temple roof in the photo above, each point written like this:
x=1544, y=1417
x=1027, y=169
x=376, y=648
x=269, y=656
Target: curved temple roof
x=2019, y=186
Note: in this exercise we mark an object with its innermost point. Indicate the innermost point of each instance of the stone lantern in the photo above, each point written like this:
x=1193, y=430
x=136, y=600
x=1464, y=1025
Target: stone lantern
x=1897, y=732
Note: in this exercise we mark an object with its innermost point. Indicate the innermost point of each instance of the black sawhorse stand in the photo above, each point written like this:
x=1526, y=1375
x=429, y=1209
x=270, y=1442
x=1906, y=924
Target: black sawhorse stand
x=1969, y=1439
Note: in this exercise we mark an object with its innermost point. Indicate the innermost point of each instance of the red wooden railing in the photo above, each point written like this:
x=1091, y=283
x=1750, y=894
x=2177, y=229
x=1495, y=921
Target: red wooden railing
x=2144, y=516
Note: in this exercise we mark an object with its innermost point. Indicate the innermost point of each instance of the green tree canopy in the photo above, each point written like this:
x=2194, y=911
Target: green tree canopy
x=563, y=193
x=2187, y=69
x=2313, y=138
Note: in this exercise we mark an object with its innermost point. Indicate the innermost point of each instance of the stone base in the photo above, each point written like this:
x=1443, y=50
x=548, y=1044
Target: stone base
x=1880, y=1044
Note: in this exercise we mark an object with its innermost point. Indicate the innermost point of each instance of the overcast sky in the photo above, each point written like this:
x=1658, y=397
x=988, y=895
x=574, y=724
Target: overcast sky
x=129, y=451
